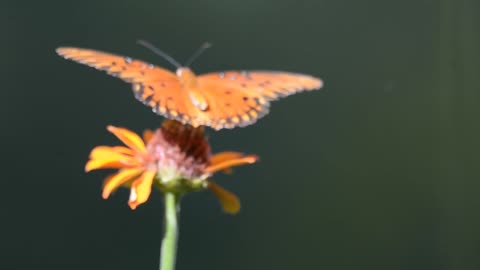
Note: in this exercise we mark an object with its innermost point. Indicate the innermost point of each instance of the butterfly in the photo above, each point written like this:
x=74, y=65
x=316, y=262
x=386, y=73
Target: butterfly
x=219, y=100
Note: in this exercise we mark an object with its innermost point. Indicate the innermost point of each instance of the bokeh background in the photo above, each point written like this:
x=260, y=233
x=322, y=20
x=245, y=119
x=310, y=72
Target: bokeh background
x=378, y=170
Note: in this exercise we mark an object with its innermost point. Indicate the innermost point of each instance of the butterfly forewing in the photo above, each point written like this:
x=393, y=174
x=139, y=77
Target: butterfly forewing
x=125, y=68
x=270, y=84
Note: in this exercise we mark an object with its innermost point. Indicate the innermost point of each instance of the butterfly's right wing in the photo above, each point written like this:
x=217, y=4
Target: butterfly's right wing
x=241, y=98
x=154, y=86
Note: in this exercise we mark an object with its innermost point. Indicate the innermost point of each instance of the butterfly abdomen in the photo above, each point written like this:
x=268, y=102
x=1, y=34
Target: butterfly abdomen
x=188, y=79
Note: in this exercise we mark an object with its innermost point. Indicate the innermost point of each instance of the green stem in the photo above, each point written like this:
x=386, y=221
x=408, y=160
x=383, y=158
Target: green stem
x=169, y=242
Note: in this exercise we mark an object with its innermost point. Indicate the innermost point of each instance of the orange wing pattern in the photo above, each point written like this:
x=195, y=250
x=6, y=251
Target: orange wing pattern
x=219, y=100
x=240, y=98
x=154, y=86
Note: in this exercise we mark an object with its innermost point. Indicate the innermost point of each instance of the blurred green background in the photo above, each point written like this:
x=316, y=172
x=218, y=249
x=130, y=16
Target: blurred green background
x=378, y=170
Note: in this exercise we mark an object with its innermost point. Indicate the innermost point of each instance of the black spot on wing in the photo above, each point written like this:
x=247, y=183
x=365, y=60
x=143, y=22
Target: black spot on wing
x=147, y=99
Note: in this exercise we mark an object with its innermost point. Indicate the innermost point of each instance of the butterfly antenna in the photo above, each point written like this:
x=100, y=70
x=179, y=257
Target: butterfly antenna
x=197, y=53
x=159, y=52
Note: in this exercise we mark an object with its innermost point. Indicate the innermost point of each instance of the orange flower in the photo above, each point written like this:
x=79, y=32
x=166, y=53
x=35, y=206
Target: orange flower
x=174, y=158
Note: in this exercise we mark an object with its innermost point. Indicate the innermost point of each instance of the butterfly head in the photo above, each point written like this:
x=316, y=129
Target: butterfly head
x=186, y=76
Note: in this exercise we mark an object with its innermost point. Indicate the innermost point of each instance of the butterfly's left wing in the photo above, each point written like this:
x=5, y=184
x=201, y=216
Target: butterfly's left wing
x=240, y=98
x=152, y=85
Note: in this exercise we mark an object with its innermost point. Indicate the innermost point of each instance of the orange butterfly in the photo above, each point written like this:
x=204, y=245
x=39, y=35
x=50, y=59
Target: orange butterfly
x=219, y=100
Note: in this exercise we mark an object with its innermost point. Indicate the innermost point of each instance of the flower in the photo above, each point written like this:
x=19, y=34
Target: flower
x=174, y=158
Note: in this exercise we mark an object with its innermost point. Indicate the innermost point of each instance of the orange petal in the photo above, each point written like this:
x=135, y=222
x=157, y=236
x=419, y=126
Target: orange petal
x=229, y=201
x=141, y=189
x=107, y=179
x=107, y=151
x=147, y=135
x=111, y=163
x=222, y=156
x=116, y=180
x=129, y=138
x=224, y=163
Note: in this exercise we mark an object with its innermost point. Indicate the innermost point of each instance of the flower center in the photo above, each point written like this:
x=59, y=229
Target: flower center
x=180, y=154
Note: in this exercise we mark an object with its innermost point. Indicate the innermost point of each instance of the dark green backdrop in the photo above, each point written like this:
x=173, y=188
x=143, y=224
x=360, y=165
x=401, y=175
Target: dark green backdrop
x=379, y=170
